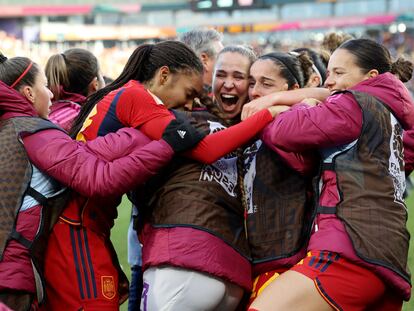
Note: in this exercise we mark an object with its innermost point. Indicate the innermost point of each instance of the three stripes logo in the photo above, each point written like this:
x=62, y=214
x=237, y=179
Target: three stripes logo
x=324, y=261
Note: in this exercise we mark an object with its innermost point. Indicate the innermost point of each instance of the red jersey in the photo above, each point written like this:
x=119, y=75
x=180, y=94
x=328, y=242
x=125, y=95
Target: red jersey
x=134, y=106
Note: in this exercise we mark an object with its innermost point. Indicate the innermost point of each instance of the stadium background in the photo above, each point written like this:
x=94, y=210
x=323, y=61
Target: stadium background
x=111, y=29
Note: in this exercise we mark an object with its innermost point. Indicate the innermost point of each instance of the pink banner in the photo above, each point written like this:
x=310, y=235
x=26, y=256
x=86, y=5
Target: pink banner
x=40, y=10
x=336, y=22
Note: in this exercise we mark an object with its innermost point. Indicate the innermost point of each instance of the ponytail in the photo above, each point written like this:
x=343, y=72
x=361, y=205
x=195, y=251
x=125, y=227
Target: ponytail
x=403, y=69
x=142, y=66
x=307, y=67
x=320, y=63
x=73, y=70
x=56, y=74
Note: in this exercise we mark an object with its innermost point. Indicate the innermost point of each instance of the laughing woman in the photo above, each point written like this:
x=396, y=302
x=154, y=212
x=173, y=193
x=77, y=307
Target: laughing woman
x=195, y=252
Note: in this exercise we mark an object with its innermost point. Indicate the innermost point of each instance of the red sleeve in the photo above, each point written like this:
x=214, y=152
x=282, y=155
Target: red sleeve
x=142, y=110
x=215, y=146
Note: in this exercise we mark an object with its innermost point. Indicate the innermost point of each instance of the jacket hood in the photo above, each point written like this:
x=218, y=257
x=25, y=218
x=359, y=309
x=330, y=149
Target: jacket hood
x=68, y=96
x=392, y=92
x=13, y=104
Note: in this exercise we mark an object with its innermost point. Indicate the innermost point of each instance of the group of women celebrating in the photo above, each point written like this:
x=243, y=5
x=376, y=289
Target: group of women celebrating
x=283, y=192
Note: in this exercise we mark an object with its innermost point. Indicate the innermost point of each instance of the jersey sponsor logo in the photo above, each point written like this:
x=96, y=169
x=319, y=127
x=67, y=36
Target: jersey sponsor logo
x=108, y=286
x=181, y=133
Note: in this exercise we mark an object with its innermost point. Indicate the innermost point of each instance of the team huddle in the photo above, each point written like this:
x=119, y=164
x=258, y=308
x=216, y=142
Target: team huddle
x=257, y=182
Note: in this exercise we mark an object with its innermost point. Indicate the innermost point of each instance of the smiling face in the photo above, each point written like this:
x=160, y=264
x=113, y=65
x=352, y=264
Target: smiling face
x=343, y=72
x=231, y=82
x=265, y=79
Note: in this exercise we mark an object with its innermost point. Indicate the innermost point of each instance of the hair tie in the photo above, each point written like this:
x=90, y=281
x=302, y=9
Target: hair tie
x=315, y=69
x=64, y=56
x=22, y=75
x=2, y=58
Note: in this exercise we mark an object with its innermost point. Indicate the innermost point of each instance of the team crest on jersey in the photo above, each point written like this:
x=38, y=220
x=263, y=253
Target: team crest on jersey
x=108, y=286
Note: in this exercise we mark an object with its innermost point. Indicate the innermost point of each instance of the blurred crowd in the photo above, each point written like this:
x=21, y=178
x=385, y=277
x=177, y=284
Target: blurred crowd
x=113, y=59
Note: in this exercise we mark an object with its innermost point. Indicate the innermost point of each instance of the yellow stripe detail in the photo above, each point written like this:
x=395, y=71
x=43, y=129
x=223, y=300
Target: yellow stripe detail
x=69, y=222
x=254, y=293
x=267, y=283
x=87, y=122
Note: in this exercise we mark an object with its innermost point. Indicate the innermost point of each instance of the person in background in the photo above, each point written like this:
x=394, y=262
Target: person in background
x=320, y=62
x=72, y=76
x=206, y=43
x=332, y=40
x=107, y=80
x=135, y=262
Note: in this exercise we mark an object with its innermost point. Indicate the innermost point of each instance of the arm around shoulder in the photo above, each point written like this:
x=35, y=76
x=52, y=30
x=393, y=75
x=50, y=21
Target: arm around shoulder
x=84, y=168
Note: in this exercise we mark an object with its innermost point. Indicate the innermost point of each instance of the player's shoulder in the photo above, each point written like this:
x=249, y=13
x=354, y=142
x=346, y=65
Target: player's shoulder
x=138, y=92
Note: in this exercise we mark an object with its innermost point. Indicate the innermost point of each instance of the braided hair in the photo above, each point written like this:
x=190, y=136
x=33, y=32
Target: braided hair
x=142, y=66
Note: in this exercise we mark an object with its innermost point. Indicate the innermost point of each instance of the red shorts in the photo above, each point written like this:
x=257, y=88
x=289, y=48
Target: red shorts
x=345, y=285
x=262, y=281
x=79, y=271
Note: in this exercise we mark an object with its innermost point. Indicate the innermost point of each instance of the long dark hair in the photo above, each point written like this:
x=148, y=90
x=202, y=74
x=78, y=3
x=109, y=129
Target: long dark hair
x=372, y=55
x=73, y=69
x=142, y=66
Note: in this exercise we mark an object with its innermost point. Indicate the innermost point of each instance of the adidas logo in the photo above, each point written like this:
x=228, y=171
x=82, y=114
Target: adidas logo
x=181, y=133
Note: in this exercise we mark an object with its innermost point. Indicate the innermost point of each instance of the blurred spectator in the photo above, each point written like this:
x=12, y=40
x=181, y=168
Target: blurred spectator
x=333, y=40
x=206, y=43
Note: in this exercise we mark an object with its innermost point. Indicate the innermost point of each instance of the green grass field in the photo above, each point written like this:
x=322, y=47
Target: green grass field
x=119, y=234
